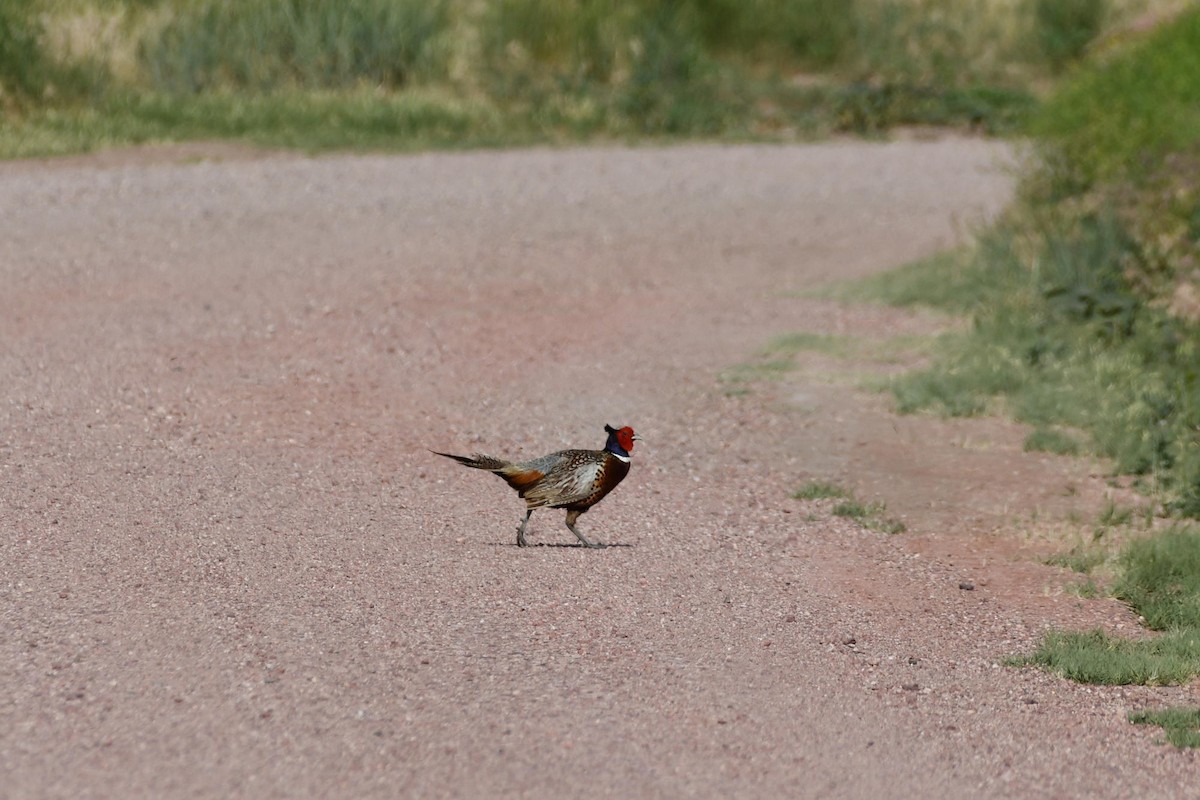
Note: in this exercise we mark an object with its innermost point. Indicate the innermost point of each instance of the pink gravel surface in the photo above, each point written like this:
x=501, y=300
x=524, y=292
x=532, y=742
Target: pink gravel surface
x=229, y=566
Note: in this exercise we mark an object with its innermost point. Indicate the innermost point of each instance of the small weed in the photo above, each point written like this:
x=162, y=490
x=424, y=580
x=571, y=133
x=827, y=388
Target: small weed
x=830, y=344
x=870, y=515
x=1181, y=725
x=1051, y=440
x=769, y=369
x=853, y=509
x=1087, y=590
x=819, y=490
x=888, y=525
x=1115, y=517
x=1077, y=559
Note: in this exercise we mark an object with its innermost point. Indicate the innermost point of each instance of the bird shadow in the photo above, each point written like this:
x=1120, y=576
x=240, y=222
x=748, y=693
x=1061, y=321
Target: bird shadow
x=569, y=545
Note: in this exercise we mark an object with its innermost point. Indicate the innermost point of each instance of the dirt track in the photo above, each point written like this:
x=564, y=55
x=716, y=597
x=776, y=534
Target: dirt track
x=229, y=567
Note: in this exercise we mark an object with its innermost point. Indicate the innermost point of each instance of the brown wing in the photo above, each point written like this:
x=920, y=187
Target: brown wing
x=575, y=477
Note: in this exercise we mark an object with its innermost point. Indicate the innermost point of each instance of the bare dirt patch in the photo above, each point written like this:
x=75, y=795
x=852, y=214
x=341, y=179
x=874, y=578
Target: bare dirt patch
x=230, y=567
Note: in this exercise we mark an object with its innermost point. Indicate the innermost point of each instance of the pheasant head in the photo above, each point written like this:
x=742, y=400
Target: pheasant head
x=620, y=441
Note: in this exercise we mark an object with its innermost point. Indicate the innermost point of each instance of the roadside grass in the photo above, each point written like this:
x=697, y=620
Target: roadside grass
x=1085, y=323
x=1078, y=559
x=1159, y=578
x=1096, y=657
x=1109, y=121
x=948, y=281
x=309, y=121
x=778, y=358
x=82, y=74
x=1060, y=340
x=1180, y=725
x=871, y=515
x=1052, y=440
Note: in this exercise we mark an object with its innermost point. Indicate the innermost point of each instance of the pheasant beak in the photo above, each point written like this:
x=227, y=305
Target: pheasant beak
x=637, y=438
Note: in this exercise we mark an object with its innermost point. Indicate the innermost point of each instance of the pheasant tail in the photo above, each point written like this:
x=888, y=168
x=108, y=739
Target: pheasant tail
x=517, y=476
x=477, y=461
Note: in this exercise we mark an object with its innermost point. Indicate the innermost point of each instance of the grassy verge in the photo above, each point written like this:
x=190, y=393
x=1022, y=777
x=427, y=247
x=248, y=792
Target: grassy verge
x=1084, y=305
x=80, y=74
x=1160, y=580
x=1181, y=725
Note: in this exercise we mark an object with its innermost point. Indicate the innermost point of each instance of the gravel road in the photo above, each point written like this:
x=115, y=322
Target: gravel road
x=229, y=566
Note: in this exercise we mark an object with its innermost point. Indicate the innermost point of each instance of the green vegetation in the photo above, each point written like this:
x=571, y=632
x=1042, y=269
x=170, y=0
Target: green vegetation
x=1070, y=344
x=81, y=74
x=1181, y=725
x=1131, y=109
x=870, y=515
x=1052, y=440
x=1160, y=580
x=819, y=490
x=1084, y=321
x=1078, y=559
x=1096, y=657
x=267, y=45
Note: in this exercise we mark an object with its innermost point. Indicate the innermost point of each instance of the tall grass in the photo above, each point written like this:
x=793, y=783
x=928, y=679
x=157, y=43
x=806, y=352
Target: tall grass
x=542, y=69
x=264, y=45
x=1084, y=313
x=1109, y=122
x=30, y=76
x=1060, y=338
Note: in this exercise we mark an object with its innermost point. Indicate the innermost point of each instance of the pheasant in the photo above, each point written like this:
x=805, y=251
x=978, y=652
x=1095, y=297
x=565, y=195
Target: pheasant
x=572, y=479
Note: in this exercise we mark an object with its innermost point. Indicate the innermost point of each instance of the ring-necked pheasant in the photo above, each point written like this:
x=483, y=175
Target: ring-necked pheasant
x=572, y=479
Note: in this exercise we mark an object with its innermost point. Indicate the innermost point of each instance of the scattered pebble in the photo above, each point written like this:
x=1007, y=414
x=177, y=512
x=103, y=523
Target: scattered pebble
x=966, y=586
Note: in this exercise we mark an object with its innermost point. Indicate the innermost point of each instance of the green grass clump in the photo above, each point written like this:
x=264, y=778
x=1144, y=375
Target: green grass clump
x=1078, y=559
x=1052, y=440
x=1181, y=725
x=30, y=75
x=1161, y=579
x=870, y=515
x=362, y=119
x=819, y=490
x=950, y=281
x=1098, y=658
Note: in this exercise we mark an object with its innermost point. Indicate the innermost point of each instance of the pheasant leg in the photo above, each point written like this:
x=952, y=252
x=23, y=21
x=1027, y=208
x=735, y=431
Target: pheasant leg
x=521, y=528
x=571, y=517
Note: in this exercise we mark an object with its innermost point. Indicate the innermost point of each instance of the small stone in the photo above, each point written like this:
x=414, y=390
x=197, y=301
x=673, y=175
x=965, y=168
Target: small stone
x=966, y=586
x=849, y=640
x=790, y=618
x=910, y=687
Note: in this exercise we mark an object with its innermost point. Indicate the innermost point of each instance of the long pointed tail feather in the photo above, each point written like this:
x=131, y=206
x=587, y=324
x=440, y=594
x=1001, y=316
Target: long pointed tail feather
x=477, y=461
x=517, y=476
